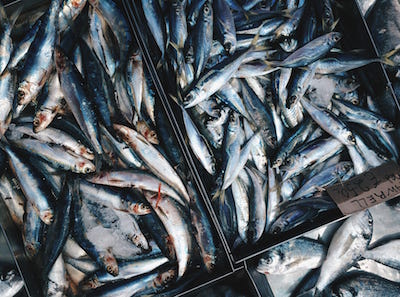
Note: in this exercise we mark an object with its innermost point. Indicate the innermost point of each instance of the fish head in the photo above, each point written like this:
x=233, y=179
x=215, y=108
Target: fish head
x=138, y=208
x=85, y=167
x=110, y=263
x=47, y=216
x=207, y=10
x=344, y=167
x=385, y=125
x=42, y=119
x=209, y=262
x=348, y=137
x=289, y=163
x=365, y=224
x=147, y=132
x=191, y=97
x=123, y=132
x=77, y=3
x=31, y=249
x=9, y=276
x=271, y=262
x=164, y=278
x=289, y=45
x=285, y=29
x=334, y=37
x=230, y=42
x=27, y=91
x=140, y=241
x=89, y=284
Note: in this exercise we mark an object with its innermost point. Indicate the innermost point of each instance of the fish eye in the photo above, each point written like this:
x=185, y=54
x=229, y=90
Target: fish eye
x=206, y=9
x=351, y=138
x=355, y=101
x=21, y=94
x=370, y=221
x=387, y=125
x=228, y=46
x=87, y=170
x=336, y=37
x=189, y=97
x=289, y=161
x=268, y=260
x=36, y=122
x=292, y=100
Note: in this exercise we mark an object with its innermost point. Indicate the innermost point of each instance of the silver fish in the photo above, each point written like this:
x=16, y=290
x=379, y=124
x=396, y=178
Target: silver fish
x=347, y=246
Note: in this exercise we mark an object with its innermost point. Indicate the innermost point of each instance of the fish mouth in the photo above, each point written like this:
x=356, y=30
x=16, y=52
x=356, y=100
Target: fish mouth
x=40, y=121
x=47, y=216
x=24, y=92
x=31, y=249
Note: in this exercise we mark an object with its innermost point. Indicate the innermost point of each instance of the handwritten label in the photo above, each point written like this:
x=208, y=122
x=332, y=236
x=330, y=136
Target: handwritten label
x=367, y=189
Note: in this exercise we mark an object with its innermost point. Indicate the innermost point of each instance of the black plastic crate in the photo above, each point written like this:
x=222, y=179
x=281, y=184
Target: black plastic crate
x=372, y=78
x=195, y=277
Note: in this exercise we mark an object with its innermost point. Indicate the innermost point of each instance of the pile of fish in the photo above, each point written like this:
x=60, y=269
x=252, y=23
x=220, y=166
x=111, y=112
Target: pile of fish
x=272, y=110
x=90, y=171
x=349, y=264
x=10, y=284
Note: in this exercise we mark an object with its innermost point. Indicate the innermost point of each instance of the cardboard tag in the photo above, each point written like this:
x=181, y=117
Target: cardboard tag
x=367, y=189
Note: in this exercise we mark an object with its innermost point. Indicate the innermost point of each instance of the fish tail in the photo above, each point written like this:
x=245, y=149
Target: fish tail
x=333, y=26
x=386, y=57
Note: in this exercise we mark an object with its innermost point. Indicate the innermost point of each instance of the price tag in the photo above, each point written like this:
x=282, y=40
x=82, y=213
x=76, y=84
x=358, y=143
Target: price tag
x=367, y=189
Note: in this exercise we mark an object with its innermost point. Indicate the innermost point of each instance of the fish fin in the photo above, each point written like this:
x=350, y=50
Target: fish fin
x=288, y=13
x=346, y=245
x=175, y=98
x=254, y=42
x=334, y=24
x=356, y=265
x=336, y=50
x=386, y=57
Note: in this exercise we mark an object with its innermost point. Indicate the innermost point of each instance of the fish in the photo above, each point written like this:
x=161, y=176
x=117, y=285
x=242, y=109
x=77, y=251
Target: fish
x=98, y=83
x=295, y=255
x=11, y=283
x=33, y=185
x=346, y=248
x=76, y=98
x=100, y=40
x=6, y=42
x=49, y=107
x=39, y=57
x=312, y=51
x=119, y=26
x=152, y=13
x=179, y=233
x=365, y=284
x=225, y=25
x=384, y=254
x=329, y=122
x=69, y=12
x=198, y=145
x=153, y=158
x=7, y=86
